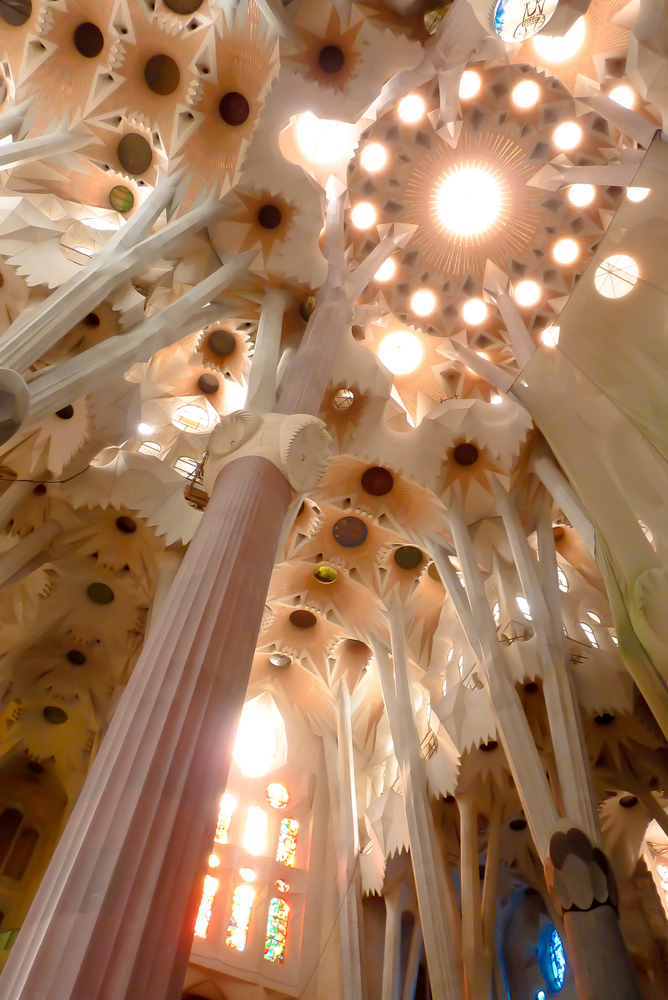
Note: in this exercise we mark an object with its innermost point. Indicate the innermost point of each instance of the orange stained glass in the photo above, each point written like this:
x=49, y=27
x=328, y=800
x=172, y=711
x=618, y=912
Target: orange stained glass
x=206, y=906
x=228, y=804
x=277, y=795
x=286, y=852
x=242, y=904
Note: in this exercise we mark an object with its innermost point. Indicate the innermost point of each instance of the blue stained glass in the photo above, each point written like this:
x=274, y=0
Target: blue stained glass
x=557, y=961
x=540, y=995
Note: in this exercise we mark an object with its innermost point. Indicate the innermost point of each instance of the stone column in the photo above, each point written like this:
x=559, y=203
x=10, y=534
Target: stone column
x=114, y=915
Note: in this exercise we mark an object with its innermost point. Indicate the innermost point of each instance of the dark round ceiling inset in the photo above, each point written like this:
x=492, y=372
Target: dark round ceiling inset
x=35, y=767
x=221, y=343
x=121, y=198
x=66, y=413
x=269, y=216
x=628, y=801
x=183, y=6
x=408, y=557
x=208, y=384
x=604, y=720
x=301, y=618
x=433, y=572
x=465, y=454
x=126, y=524
x=281, y=660
x=15, y=12
x=162, y=75
x=331, y=59
x=55, y=715
x=91, y=319
x=88, y=40
x=518, y=824
x=326, y=574
x=350, y=532
x=377, y=481
x=530, y=687
x=40, y=489
x=134, y=153
x=489, y=746
x=234, y=109
x=100, y=593
x=76, y=657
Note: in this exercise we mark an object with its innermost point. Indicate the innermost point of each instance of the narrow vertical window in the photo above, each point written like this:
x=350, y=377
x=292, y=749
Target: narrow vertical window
x=277, y=930
x=286, y=852
x=206, y=905
x=228, y=804
x=242, y=904
x=255, y=834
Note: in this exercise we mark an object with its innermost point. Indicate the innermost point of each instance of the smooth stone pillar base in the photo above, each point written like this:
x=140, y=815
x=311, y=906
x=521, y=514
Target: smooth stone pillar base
x=601, y=963
x=113, y=918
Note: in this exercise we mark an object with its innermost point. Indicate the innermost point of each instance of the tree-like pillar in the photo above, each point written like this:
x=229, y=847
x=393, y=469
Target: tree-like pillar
x=114, y=914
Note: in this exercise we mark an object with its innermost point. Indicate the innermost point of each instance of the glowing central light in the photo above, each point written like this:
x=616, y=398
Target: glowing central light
x=555, y=49
x=581, y=194
x=255, y=747
x=411, y=109
x=400, y=352
x=474, y=312
x=374, y=157
x=526, y=94
x=324, y=141
x=468, y=200
x=567, y=135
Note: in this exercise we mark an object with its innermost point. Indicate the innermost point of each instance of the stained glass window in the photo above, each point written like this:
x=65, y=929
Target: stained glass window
x=256, y=745
x=287, y=842
x=228, y=804
x=557, y=960
x=255, y=834
x=277, y=795
x=206, y=905
x=277, y=930
x=282, y=886
x=242, y=904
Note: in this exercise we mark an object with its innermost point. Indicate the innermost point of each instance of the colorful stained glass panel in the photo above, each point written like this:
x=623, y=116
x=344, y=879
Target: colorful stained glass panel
x=206, y=905
x=255, y=834
x=277, y=930
x=228, y=804
x=286, y=852
x=277, y=795
x=242, y=904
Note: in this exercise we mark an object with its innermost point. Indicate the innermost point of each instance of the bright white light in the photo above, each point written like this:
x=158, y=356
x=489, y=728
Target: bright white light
x=615, y=640
x=256, y=745
x=616, y=276
x=567, y=135
x=363, y=215
x=527, y=293
x=623, y=95
x=423, y=302
x=191, y=417
x=469, y=85
x=386, y=270
x=86, y=251
x=411, y=109
x=145, y=428
x=637, y=194
x=481, y=354
x=565, y=251
x=555, y=49
x=400, y=352
x=255, y=833
x=323, y=141
x=468, y=200
x=526, y=94
x=214, y=861
x=374, y=157
x=563, y=582
x=589, y=632
x=474, y=312
x=248, y=874
x=594, y=617
x=451, y=653
x=523, y=605
x=496, y=613
x=496, y=400
x=445, y=688
x=550, y=336
x=103, y=225
x=581, y=194
x=460, y=664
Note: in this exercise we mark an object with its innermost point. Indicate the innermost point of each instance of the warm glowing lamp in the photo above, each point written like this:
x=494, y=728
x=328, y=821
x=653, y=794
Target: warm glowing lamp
x=363, y=215
x=401, y=352
x=468, y=200
x=635, y=194
x=558, y=49
x=423, y=302
x=411, y=109
x=526, y=94
x=527, y=293
x=469, y=85
x=474, y=312
x=386, y=270
x=623, y=95
x=373, y=157
x=565, y=251
x=567, y=135
x=581, y=194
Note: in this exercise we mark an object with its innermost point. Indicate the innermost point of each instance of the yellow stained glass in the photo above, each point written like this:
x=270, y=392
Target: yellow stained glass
x=277, y=795
x=206, y=905
x=242, y=904
x=277, y=930
x=286, y=852
x=228, y=804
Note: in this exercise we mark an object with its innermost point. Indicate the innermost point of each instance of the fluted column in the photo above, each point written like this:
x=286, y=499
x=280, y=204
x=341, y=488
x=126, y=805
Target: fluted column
x=115, y=912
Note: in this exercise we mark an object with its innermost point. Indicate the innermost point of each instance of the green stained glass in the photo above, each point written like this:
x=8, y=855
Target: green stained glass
x=277, y=930
x=286, y=852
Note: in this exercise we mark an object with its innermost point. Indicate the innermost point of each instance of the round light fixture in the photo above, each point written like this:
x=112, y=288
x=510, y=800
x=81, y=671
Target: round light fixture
x=616, y=276
x=411, y=109
x=423, y=302
x=637, y=193
x=558, y=49
x=581, y=194
x=469, y=85
x=527, y=293
x=623, y=95
x=363, y=215
x=567, y=135
x=474, y=312
x=400, y=352
x=497, y=400
x=526, y=94
x=323, y=141
x=373, y=157
x=468, y=200
x=386, y=270
x=550, y=336
x=565, y=251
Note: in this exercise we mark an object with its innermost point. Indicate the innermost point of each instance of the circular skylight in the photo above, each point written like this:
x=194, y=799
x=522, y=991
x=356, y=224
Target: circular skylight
x=616, y=276
x=468, y=200
x=192, y=418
